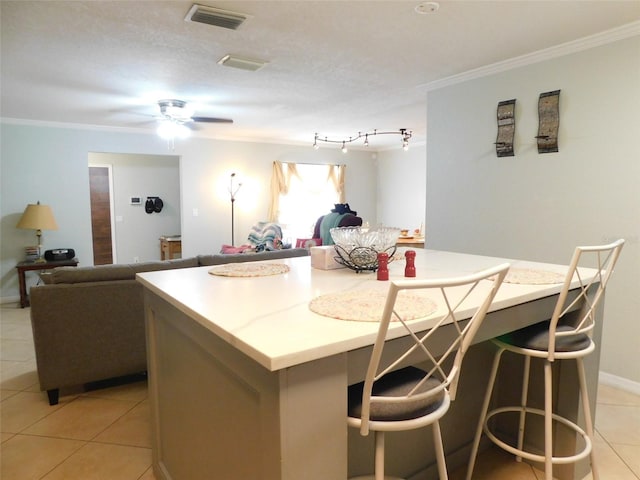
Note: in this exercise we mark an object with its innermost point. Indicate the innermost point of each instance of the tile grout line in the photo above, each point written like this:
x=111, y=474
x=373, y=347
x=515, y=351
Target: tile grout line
x=616, y=453
x=64, y=459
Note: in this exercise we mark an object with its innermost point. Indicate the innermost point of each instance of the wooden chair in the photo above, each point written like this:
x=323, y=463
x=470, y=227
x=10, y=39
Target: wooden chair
x=396, y=395
x=567, y=335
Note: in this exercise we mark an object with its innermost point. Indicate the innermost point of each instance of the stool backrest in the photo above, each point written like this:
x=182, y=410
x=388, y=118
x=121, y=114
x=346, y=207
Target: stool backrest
x=462, y=303
x=590, y=268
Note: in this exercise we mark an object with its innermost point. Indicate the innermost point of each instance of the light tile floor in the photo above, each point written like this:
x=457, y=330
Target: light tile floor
x=104, y=434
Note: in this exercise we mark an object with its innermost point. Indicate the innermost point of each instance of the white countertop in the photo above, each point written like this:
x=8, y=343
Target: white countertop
x=268, y=318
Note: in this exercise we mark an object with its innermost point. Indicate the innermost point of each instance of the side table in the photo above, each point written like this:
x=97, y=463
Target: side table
x=170, y=247
x=23, y=267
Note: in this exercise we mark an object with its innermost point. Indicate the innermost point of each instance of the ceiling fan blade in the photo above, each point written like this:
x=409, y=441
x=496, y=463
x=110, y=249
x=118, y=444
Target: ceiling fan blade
x=211, y=120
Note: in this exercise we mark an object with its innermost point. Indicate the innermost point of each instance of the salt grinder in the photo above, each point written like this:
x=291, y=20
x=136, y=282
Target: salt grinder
x=383, y=266
x=410, y=267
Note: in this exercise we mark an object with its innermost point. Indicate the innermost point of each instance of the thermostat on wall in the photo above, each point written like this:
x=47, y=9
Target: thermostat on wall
x=136, y=200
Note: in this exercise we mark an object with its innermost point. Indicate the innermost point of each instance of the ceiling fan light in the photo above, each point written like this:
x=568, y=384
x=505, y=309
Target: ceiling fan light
x=179, y=112
x=164, y=130
x=182, y=131
x=175, y=109
x=169, y=130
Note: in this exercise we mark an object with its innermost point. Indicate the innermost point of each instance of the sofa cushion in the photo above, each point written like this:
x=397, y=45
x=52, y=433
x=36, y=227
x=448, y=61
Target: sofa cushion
x=165, y=264
x=106, y=273
x=99, y=273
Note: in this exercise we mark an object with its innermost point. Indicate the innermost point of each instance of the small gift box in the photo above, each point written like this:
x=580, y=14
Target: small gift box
x=322, y=258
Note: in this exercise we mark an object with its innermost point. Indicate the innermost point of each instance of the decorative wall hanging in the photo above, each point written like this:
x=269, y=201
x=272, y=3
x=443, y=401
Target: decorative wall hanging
x=506, y=128
x=153, y=204
x=548, y=121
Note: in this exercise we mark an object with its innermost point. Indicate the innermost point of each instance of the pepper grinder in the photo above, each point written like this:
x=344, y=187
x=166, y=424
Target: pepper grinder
x=410, y=267
x=383, y=266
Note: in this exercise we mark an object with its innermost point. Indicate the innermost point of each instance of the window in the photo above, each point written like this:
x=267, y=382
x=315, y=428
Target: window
x=302, y=193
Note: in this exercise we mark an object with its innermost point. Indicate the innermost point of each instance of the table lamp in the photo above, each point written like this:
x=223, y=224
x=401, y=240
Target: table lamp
x=38, y=217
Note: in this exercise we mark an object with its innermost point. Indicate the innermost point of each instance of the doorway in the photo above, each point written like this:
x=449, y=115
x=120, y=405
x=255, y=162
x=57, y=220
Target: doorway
x=100, y=181
x=133, y=177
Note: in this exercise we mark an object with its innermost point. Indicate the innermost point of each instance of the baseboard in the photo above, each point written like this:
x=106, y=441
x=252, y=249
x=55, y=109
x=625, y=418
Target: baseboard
x=619, y=382
x=10, y=299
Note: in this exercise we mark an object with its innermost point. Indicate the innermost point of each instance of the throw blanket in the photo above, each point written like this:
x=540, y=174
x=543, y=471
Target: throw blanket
x=330, y=220
x=266, y=236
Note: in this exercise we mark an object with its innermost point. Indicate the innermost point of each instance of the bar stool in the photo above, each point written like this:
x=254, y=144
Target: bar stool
x=567, y=335
x=395, y=397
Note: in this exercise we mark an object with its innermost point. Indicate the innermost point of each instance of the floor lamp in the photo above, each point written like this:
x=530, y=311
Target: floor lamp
x=232, y=191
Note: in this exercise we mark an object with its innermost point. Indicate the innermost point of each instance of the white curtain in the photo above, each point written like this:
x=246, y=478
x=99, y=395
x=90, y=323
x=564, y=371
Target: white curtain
x=301, y=193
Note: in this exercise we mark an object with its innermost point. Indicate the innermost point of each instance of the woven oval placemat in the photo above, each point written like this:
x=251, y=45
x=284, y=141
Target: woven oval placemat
x=368, y=305
x=249, y=269
x=531, y=276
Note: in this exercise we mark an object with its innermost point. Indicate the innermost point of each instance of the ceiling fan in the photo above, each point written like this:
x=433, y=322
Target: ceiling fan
x=177, y=111
x=174, y=118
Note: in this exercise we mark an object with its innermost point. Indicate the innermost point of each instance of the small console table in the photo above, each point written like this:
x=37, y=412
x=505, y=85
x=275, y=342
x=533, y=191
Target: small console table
x=412, y=242
x=170, y=246
x=23, y=267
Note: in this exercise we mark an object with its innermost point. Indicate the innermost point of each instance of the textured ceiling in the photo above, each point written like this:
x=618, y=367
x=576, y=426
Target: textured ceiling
x=335, y=67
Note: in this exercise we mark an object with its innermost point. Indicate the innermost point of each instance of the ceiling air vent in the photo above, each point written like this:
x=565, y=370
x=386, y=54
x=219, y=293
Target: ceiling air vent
x=215, y=17
x=241, y=63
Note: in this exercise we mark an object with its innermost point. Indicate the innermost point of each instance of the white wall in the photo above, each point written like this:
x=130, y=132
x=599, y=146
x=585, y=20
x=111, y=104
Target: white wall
x=540, y=207
x=205, y=173
x=50, y=164
x=401, y=187
x=137, y=233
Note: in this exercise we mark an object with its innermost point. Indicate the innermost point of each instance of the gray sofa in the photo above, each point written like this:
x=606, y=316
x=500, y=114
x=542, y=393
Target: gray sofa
x=88, y=322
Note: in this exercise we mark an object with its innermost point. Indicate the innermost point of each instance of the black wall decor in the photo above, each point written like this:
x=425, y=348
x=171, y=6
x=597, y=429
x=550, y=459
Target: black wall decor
x=506, y=128
x=153, y=204
x=548, y=121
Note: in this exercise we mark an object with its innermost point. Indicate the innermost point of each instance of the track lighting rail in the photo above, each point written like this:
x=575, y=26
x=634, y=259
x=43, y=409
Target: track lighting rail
x=403, y=132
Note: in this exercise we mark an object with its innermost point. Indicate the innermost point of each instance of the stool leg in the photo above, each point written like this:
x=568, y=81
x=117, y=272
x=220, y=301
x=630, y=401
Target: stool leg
x=587, y=414
x=437, y=442
x=379, y=456
x=523, y=403
x=483, y=413
x=548, y=421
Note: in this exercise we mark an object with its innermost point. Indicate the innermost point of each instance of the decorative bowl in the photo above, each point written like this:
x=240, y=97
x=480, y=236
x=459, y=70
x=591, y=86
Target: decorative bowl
x=358, y=248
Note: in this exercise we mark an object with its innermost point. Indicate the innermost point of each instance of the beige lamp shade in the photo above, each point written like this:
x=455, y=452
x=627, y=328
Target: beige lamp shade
x=37, y=217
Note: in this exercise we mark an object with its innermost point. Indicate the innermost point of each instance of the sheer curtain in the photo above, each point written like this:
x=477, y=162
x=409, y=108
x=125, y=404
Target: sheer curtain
x=301, y=193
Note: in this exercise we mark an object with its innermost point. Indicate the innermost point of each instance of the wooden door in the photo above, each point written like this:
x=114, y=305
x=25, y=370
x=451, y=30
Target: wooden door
x=100, y=194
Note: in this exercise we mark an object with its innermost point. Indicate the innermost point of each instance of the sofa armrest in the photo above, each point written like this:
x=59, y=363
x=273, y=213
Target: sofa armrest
x=87, y=332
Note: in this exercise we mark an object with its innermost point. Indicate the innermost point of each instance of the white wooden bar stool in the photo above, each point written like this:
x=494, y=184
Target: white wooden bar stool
x=394, y=396
x=567, y=335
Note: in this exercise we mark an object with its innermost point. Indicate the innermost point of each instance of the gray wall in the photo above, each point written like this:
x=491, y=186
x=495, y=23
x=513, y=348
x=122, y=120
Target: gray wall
x=539, y=207
x=401, y=186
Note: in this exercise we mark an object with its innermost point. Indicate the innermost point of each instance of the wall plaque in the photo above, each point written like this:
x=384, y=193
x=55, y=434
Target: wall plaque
x=506, y=128
x=548, y=121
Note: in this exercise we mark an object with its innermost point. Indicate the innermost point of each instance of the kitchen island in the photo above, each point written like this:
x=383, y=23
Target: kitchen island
x=246, y=382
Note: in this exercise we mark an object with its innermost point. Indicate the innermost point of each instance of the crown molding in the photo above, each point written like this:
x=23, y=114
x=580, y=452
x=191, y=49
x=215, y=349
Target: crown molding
x=69, y=125
x=608, y=36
